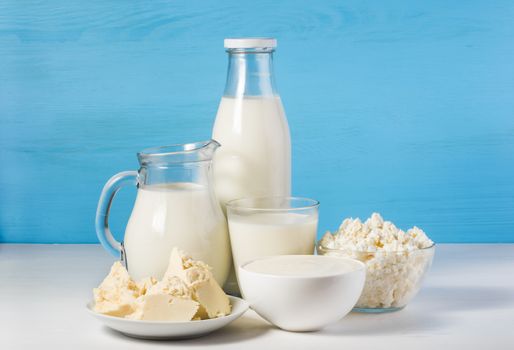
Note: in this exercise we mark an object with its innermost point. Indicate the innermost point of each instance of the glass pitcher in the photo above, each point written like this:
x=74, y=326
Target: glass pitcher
x=175, y=207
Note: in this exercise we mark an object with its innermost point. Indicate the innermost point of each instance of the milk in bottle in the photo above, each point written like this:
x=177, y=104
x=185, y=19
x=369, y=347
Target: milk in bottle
x=254, y=159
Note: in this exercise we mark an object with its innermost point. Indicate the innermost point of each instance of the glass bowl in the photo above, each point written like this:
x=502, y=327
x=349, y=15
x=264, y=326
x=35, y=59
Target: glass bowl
x=392, y=278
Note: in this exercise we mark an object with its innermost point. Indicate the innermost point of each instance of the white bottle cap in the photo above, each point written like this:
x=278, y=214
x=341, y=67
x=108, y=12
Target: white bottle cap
x=247, y=43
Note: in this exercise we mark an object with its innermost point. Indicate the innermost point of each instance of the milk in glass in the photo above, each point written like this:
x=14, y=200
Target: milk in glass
x=257, y=235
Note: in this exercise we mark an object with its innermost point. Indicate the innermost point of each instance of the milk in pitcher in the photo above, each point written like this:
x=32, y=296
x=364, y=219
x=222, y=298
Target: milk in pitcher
x=175, y=215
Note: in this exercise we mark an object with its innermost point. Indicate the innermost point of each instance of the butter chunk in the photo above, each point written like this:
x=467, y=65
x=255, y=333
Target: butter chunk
x=164, y=307
x=198, y=277
x=175, y=265
x=117, y=293
x=145, y=284
x=171, y=285
x=213, y=301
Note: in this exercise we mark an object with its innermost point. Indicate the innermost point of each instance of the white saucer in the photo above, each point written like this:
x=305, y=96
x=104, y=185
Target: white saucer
x=171, y=329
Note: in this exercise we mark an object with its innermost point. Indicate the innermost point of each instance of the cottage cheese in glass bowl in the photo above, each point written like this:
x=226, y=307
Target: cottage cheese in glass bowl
x=396, y=261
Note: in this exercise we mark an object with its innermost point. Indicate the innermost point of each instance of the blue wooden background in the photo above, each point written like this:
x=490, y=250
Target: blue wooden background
x=401, y=107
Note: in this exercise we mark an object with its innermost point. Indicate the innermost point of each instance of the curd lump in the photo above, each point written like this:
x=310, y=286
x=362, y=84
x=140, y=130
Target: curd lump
x=395, y=260
x=188, y=291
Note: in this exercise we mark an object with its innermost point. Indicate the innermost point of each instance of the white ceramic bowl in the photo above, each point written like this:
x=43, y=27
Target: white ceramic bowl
x=302, y=292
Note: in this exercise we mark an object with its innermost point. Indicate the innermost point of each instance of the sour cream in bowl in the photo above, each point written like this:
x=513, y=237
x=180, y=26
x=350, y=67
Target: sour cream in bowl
x=299, y=292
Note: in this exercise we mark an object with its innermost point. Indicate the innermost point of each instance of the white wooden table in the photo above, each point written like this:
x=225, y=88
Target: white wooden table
x=467, y=302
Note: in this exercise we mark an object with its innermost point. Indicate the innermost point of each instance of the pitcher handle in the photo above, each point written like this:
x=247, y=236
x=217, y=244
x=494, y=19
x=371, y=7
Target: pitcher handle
x=110, y=189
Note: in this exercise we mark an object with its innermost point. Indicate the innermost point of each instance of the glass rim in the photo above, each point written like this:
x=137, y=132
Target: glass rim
x=319, y=246
x=250, y=50
x=235, y=204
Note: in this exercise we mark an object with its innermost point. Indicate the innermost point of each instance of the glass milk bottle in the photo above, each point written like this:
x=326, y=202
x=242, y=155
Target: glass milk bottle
x=254, y=159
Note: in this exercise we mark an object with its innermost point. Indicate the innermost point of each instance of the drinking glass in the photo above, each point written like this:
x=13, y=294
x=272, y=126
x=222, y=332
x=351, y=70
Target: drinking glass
x=269, y=226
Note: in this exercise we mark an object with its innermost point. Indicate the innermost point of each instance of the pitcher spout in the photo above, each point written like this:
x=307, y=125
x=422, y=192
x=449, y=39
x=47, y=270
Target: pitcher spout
x=211, y=146
x=205, y=149
x=178, y=153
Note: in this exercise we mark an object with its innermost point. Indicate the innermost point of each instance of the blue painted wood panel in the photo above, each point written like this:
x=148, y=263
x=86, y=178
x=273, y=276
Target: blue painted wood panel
x=401, y=107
